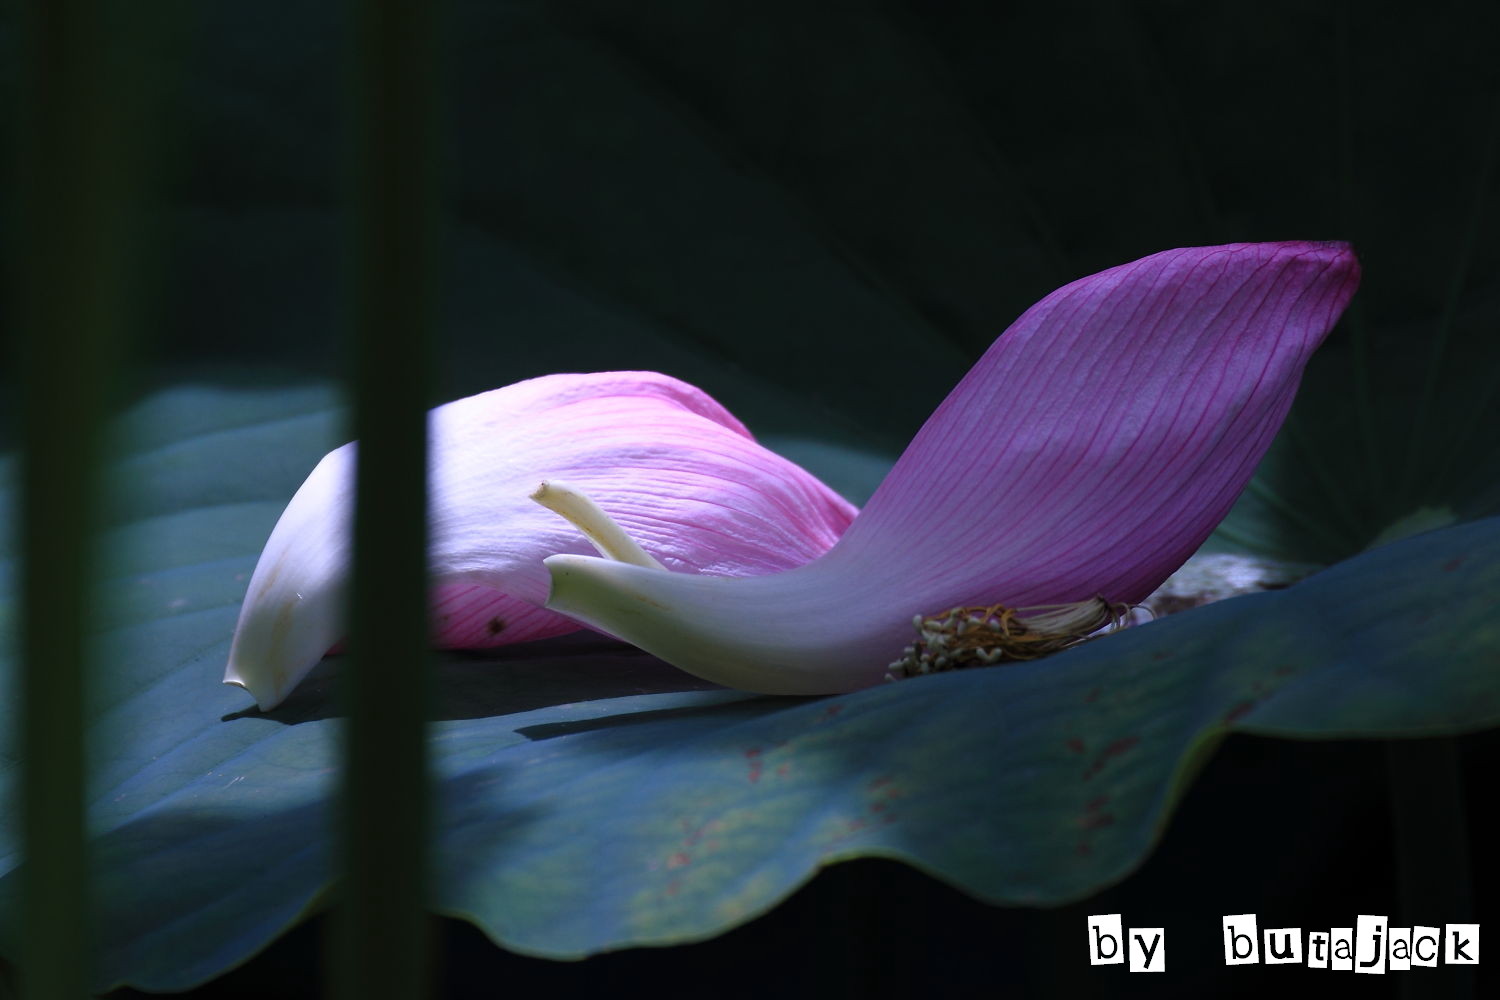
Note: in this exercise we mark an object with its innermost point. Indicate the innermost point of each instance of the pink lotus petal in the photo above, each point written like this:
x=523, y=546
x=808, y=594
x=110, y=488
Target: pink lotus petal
x=467, y=616
x=1089, y=452
x=665, y=460
x=1098, y=442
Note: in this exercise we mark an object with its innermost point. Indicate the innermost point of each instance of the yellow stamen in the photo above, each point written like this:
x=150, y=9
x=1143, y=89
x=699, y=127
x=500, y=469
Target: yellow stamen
x=972, y=637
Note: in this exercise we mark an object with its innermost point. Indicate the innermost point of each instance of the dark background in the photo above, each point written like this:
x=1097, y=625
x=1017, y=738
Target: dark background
x=822, y=212
x=826, y=209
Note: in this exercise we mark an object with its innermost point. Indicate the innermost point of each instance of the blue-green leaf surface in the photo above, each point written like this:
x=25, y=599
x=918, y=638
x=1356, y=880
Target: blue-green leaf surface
x=593, y=798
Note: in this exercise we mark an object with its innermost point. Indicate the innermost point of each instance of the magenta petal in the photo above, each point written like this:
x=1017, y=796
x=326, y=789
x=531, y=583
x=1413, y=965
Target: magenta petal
x=1101, y=439
x=1091, y=449
x=466, y=616
x=661, y=457
x=675, y=468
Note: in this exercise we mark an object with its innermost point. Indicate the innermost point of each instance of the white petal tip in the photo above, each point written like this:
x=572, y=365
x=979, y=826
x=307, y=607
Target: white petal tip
x=264, y=700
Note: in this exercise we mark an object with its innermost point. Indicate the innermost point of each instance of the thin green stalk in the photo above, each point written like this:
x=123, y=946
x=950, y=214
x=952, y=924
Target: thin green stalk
x=381, y=927
x=1336, y=498
x=1461, y=265
x=940, y=70
x=1312, y=525
x=1364, y=403
x=1462, y=439
x=1483, y=402
x=1348, y=213
x=1163, y=105
x=1433, y=877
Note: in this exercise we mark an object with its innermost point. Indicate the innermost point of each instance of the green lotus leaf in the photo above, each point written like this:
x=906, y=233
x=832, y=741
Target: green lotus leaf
x=591, y=798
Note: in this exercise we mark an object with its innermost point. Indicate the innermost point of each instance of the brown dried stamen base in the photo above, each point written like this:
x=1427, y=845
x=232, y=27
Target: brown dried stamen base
x=976, y=637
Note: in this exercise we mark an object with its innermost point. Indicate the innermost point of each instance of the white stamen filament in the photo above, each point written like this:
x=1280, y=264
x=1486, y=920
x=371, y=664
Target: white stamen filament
x=598, y=527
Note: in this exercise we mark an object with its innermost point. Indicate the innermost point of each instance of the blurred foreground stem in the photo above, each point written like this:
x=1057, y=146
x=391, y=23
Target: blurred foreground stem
x=1433, y=876
x=80, y=141
x=381, y=926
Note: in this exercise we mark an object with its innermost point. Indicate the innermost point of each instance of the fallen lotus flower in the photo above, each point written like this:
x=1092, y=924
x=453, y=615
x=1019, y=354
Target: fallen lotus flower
x=659, y=455
x=1088, y=453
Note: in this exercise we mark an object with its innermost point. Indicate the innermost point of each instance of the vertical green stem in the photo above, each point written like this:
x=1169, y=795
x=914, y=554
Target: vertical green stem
x=381, y=942
x=1469, y=228
x=1160, y=105
x=1433, y=877
x=1350, y=217
x=77, y=195
x=1460, y=441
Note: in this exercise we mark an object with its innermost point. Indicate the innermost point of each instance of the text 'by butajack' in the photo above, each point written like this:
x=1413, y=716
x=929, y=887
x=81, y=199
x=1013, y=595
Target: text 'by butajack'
x=1370, y=946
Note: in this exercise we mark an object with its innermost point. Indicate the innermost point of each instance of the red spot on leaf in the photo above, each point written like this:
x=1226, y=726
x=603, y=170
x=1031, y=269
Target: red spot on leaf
x=1160, y=655
x=878, y=807
x=753, y=756
x=1453, y=564
x=1096, y=803
x=1285, y=670
x=674, y=887
x=1091, y=697
x=831, y=712
x=679, y=859
x=1116, y=748
x=782, y=770
x=1239, y=711
x=1083, y=849
x=1094, y=821
x=1075, y=745
x=881, y=781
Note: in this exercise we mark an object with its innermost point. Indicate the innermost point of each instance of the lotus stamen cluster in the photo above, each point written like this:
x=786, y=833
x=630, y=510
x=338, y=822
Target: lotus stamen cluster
x=976, y=637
